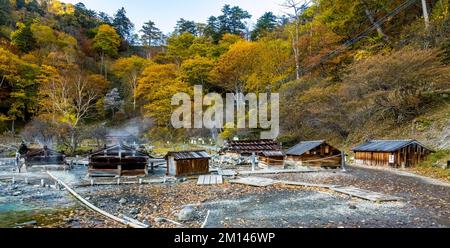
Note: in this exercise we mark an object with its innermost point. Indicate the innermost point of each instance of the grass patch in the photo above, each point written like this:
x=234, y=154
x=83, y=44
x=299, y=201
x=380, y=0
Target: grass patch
x=433, y=165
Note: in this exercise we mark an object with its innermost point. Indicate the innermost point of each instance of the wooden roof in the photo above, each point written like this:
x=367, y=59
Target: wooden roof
x=305, y=146
x=114, y=150
x=251, y=146
x=186, y=155
x=386, y=145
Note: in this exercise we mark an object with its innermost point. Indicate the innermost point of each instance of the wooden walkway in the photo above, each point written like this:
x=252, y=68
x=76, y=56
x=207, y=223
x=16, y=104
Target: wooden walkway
x=254, y=181
x=351, y=191
x=365, y=194
x=210, y=180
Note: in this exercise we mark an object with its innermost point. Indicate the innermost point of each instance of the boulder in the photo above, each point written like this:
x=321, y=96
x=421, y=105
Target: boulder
x=186, y=214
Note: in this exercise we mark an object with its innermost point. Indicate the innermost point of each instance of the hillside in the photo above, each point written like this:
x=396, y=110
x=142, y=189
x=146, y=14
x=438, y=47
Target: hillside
x=346, y=71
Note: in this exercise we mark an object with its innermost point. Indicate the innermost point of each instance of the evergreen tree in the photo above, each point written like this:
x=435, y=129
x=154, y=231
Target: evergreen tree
x=105, y=18
x=122, y=24
x=185, y=26
x=265, y=24
x=5, y=9
x=151, y=35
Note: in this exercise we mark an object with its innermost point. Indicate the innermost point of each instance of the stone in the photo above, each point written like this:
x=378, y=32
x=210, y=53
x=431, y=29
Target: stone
x=123, y=201
x=159, y=219
x=17, y=193
x=352, y=207
x=135, y=211
x=28, y=223
x=186, y=214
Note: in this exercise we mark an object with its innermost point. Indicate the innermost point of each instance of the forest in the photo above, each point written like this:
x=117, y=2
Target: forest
x=346, y=71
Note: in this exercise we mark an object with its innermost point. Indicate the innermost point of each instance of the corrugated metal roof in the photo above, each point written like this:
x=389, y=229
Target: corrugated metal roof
x=385, y=145
x=183, y=155
x=304, y=146
x=272, y=153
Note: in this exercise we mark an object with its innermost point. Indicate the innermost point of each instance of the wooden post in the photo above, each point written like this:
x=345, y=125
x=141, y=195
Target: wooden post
x=253, y=161
x=343, y=161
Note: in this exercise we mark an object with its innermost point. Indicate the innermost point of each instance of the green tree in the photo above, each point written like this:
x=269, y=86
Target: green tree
x=106, y=42
x=178, y=47
x=265, y=24
x=5, y=10
x=231, y=21
x=122, y=24
x=151, y=35
x=185, y=26
x=23, y=38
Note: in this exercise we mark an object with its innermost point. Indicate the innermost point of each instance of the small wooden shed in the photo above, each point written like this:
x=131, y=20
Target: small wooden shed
x=44, y=156
x=118, y=160
x=187, y=163
x=394, y=153
x=316, y=152
x=271, y=158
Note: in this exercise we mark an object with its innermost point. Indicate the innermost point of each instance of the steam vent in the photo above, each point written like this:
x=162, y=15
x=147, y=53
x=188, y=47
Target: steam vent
x=118, y=160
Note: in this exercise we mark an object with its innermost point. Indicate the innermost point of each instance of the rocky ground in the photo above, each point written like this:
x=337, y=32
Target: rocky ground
x=425, y=204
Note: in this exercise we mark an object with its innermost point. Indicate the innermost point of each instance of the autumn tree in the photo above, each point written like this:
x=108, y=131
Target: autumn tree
x=128, y=70
x=235, y=67
x=68, y=97
x=196, y=71
x=157, y=85
x=18, y=78
x=106, y=42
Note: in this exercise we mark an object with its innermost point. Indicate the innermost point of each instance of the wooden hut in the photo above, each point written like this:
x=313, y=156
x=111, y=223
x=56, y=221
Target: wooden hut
x=43, y=157
x=187, y=163
x=271, y=159
x=316, y=153
x=248, y=147
x=395, y=153
x=118, y=160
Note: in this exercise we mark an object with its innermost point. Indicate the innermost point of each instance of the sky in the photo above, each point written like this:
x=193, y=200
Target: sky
x=165, y=13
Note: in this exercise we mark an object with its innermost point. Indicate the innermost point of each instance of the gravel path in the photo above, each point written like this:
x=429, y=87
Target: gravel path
x=428, y=195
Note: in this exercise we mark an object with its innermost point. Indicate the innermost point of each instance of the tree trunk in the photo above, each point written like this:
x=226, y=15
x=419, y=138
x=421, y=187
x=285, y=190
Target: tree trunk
x=102, y=57
x=426, y=17
x=296, y=52
x=372, y=20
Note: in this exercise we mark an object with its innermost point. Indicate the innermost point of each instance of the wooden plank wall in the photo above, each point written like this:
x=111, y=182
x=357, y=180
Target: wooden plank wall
x=409, y=156
x=191, y=167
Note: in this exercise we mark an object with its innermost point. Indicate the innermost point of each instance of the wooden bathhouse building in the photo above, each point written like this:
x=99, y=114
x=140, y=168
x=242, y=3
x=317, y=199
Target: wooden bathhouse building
x=187, y=163
x=394, y=153
x=316, y=153
x=269, y=152
x=42, y=157
x=118, y=160
x=248, y=147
